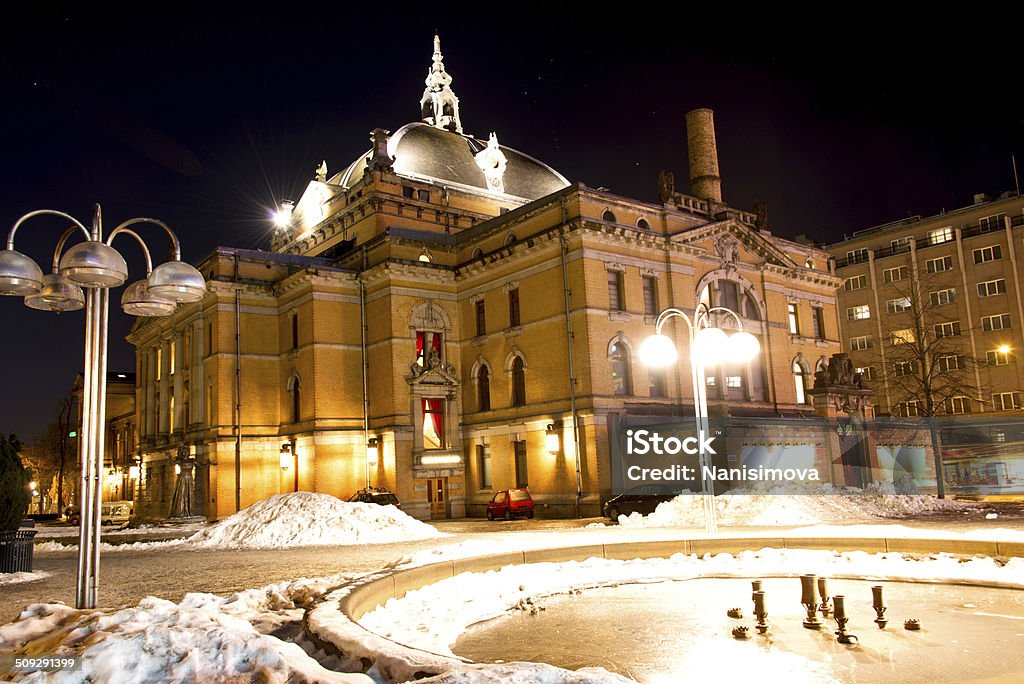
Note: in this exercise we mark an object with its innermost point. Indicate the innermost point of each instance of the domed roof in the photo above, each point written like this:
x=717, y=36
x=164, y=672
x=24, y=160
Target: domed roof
x=423, y=152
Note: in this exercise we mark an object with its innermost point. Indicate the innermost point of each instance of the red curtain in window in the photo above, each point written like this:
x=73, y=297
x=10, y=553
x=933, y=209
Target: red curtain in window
x=435, y=344
x=419, y=345
x=435, y=409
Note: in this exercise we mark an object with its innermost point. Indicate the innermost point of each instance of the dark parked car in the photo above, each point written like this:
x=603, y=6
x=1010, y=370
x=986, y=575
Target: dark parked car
x=509, y=503
x=376, y=495
x=643, y=500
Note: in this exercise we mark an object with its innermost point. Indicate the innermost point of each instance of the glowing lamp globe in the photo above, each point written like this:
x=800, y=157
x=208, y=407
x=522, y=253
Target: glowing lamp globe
x=19, y=275
x=710, y=347
x=56, y=295
x=658, y=351
x=137, y=300
x=176, y=281
x=743, y=346
x=94, y=264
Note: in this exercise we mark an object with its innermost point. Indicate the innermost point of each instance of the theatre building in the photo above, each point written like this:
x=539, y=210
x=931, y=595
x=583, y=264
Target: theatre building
x=447, y=317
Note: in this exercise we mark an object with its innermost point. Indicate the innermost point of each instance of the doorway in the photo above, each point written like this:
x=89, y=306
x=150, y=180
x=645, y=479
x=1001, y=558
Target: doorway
x=437, y=497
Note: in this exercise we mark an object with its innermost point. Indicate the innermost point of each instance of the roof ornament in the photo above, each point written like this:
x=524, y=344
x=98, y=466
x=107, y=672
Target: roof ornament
x=321, y=172
x=492, y=162
x=439, y=107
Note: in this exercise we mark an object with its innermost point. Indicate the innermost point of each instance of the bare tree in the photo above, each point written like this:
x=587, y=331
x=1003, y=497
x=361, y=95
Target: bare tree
x=49, y=455
x=925, y=355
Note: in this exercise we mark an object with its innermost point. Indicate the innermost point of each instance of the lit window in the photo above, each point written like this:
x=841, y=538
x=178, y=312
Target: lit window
x=622, y=383
x=794, y=319
x=866, y=372
x=800, y=383
x=898, y=305
x=433, y=423
x=904, y=336
x=733, y=381
x=936, y=237
x=428, y=344
x=172, y=355
x=856, y=313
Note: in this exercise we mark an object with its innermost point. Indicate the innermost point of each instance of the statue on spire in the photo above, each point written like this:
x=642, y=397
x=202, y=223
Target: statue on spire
x=439, y=106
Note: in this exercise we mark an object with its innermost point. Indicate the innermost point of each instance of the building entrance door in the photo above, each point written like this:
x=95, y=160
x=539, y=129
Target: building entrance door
x=437, y=496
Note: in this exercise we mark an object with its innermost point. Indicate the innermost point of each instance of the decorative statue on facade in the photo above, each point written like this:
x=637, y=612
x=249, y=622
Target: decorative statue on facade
x=321, y=172
x=379, y=159
x=492, y=162
x=761, y=215
x=184, y=487
x=439, y=106
x=728, y=249
x=666, y=186
x=839, y=372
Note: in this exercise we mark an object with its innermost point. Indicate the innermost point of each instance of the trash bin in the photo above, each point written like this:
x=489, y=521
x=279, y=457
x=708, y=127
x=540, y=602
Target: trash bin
x=16, y=550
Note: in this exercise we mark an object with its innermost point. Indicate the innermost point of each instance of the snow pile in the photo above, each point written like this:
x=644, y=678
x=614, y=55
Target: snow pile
x=21, y=577
x=793, y=504
x=432, y=618
x=203, y=638
x=308, y=519
x=525, y=673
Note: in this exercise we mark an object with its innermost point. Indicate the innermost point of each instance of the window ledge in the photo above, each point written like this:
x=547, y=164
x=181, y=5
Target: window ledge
x=479, y=340
x=650, y=320
x=621, y=316
x=514, y=332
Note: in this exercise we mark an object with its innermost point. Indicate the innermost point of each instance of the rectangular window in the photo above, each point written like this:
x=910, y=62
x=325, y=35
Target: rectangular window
x=857, y=256
x=423, y=195
x=959, y=404
x=728, y=295
x=818, y=317
x=1006, y=401
x=513, y=308
x=659, y=384
x=794, y=319
x=170, y=414
x=856, y=283
x=428, y=343
x=860, y=343
x=867, y=372
x=209, y=404
x=950, y=329
x=902, y=368
x=856, y=313
x=908, y=408
x=650, y=296
x=997, y=322
x=408, y=191
x=733, y=381
x=940, y=297
x=615, y=299
x=939, y=265
x=159, y=363
x=892, y=275
x=481, y=317
x=986, y=254
x=998, y=357
x=904, y=336
x=483, y=465
x=990, y=223
x=522, y=473
x=949, y=362
x=172, y=355
x=211, y=346
x=898, y=305
x=433, y=423
x=990, y=288
x=295, y=331
x=937, y=237
x=901, y=244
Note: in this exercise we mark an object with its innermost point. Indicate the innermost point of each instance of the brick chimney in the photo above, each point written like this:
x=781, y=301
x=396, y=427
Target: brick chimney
x=705, y=183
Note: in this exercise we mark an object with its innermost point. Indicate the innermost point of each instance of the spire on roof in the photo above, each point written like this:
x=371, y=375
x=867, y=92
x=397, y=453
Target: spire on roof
x=439, y=106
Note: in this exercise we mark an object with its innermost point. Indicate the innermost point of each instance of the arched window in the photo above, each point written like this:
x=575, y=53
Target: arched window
x=642, y=224
x=608, y=216
x=510, y=239
x=800, y=383
x=483, y=389
x=518, y=382
x=622, y=382
x=478, y=253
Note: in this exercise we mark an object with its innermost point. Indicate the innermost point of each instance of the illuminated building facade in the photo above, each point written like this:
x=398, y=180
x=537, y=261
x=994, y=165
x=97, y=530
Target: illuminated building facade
x=474, y=316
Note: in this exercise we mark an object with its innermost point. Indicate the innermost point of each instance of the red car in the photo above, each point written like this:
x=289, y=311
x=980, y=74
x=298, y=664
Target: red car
x=509, y=503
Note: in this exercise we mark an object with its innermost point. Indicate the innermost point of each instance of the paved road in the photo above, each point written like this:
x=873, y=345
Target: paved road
x=127, y=576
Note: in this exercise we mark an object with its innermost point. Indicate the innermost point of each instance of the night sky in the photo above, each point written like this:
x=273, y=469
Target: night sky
x=204, y=118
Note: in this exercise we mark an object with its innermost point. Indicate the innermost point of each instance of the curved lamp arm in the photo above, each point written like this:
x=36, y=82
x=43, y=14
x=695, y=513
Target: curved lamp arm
x=669, y=313
x=47, y=212
x=60, y=247
x=702, y=314
x=131, y=222
x=145, y=250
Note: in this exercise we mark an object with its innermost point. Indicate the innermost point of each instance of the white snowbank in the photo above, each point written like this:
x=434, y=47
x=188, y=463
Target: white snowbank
x=793, y=504
x=21, y=577
x=432, y=618
x=204, y=638
x=309, y=519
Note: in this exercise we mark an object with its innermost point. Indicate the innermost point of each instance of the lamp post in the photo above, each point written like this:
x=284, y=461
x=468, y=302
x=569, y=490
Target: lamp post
x=709, y=345
x=96, y=266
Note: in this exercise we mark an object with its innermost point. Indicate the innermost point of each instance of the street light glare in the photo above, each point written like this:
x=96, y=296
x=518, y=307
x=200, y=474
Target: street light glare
x=710, y=347
x=658, y=351
x=743, y=346
x=1004, y=349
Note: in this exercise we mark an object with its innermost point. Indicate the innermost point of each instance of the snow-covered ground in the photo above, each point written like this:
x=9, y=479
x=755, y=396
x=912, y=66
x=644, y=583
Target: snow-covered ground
x=432, y=618
x=290, y=520
x=7, y=578
x=793, y=505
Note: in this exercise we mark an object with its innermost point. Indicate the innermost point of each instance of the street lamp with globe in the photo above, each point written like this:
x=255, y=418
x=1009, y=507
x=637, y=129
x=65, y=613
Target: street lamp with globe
x=709, y=346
